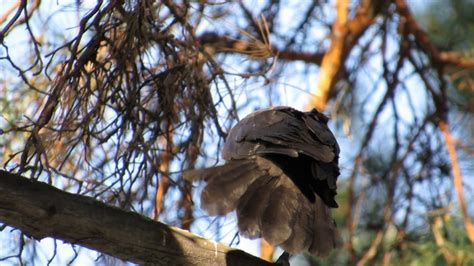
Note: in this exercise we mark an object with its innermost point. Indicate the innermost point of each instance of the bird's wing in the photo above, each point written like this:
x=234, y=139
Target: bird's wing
x=300, y=143
x=281, y=130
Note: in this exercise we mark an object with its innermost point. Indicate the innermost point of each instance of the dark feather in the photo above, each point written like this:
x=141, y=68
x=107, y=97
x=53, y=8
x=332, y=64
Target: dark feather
x=280, y=176
x=278, y=217
x=302, y=233
x=251, y=206
x=226, y=185
x=325, y=234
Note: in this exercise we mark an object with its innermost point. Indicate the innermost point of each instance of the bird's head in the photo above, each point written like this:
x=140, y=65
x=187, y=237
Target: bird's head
x=319, y=116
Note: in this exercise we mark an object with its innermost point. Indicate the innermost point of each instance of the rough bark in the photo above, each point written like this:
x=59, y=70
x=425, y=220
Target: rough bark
x=40, y=211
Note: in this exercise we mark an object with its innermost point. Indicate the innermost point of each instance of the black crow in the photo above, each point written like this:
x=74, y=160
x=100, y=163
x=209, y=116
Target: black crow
x=280, y=176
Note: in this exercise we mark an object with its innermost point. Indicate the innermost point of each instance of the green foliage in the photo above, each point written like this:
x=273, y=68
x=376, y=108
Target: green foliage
x=450, y=24
x=425, y=251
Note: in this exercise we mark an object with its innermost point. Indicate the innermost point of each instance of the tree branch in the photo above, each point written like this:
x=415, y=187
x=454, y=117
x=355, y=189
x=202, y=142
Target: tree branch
x=424, y=42
x=223, y=44
x=457, y=178
x=345, y=35
x=266, y=250
x=9, y=11
x=40, y=211
x=439, y=240
x=333, y=59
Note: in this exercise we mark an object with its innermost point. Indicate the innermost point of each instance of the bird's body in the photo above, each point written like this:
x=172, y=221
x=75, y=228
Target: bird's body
x=280, y=177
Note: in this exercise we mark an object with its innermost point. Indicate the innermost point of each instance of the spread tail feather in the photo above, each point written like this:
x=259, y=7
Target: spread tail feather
x=226, y=184
x=275, y=209
x=268, y=205
x=326, y=236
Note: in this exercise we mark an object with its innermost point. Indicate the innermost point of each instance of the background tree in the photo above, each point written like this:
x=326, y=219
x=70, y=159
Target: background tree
x=112, y=100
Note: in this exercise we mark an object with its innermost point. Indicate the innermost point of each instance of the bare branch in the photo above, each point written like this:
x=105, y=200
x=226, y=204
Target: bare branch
x=333, y=59
x=9, y=11
x=345, y=34
x=266, y=250
x=439, y=239
x=457, y=178
x=40, y=211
